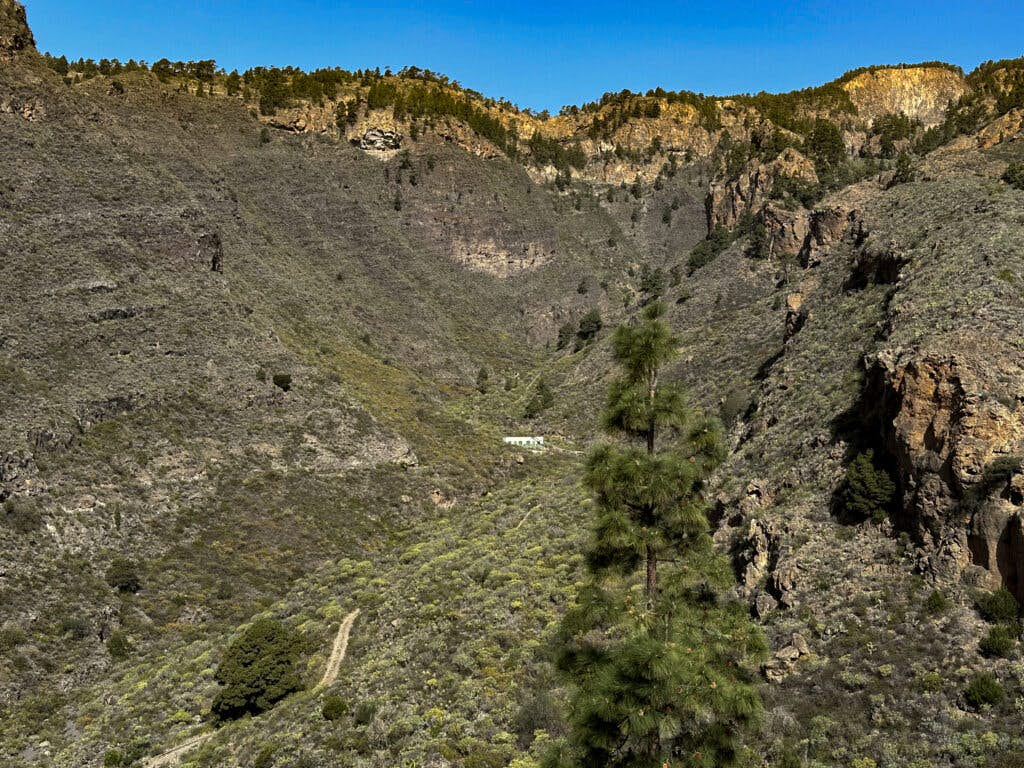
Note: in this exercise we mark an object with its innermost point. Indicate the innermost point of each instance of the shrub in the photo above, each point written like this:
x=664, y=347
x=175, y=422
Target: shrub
x=936, y=603
x=258, y=670
x=1014, y=175
x=867, y=491
x=75, y=627
x=113, y=758
x=365, y=712
x=998, y=607
x=707, y=250
x=265, y=136
x=983, y=689
x=483, y=377
x=565, y=334
x=21, y=515
x=334, y=708
x=542, y=399
x=904, y=170
x=283, y=381
x=118, y=645
x=123, y=575
x=590, y=325
x=998, y=642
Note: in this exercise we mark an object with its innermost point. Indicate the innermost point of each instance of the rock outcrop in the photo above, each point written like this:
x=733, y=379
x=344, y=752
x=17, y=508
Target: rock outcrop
x=957, y=454
x=729, y=200
x=15, y=35
x=922, y=93
x=380, y=140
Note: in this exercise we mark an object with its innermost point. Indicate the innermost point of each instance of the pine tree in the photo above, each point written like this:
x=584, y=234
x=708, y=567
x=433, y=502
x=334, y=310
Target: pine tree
x=656, y=660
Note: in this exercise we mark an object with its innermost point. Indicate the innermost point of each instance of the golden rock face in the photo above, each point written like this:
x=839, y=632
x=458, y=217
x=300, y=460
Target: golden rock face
x=918, y=92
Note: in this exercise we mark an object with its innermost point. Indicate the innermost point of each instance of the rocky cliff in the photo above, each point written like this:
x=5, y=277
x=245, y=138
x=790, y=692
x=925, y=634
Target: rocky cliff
x=15, y=35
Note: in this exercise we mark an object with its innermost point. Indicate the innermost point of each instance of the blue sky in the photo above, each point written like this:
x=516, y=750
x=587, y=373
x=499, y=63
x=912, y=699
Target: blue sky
x=546, y=54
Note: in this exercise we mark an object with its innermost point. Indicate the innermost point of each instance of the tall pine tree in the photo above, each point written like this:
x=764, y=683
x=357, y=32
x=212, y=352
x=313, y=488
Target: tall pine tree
x=657, y=662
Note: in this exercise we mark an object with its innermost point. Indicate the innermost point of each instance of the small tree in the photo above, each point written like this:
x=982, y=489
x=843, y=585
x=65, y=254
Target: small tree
x=123, y=575
x=904, y=172
x=257, y=670
x=654, y=657
x=867, y=492
x=483, y=378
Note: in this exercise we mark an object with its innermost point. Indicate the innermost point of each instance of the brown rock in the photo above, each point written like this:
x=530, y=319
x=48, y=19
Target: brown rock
x=15, y=35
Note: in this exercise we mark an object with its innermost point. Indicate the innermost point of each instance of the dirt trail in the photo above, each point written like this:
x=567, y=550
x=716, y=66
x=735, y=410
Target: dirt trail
x=338, y=650
x=172, y=756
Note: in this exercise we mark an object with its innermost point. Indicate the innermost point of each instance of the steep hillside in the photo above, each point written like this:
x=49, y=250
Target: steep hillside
x=260, y=344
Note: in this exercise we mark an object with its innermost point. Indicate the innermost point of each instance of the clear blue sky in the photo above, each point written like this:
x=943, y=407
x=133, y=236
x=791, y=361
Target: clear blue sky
x=546, y=54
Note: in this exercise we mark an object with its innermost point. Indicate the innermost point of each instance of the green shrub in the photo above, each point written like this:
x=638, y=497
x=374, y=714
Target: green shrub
x=258, y=670
x=113, y=758
x=936, y=603
x=75, y=627
x=708, y=249
x=998, y=642
x=365, y=712
x=11, y=637
x=265, y=757
x=334, y=708
x=542, y=399
x=21, y=515
x=283, y=381
x=867, y=491
x=590, y=325
x=998, y=607
x=983, y=689
x=123, y=575
x=118, y=645
x=566, y=334
x=265, y=136
x=1014, y=175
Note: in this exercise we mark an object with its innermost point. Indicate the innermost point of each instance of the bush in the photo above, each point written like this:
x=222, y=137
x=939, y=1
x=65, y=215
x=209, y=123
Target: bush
x=542, y=399
x=590, y=325
x=983, y=689
x=998, y=642
x=265, y=136
x=118, y=645
x=998, y=607
x=867, y=491
x=75, y=627
x=123, y=575
x=565, y=334
x=258, y=670
x=365, y=712
x=1014, y=175
x=936, y=603
x=21, y=516
x=334, y=708
x=283, y=381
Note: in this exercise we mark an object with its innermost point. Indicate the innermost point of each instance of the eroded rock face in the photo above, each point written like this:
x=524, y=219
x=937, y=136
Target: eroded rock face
x=380, y=140
x=727, y=201
x=785, y=231
x=957, y=454
x=498, y=259
x=922, y=93
x=15, y=36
